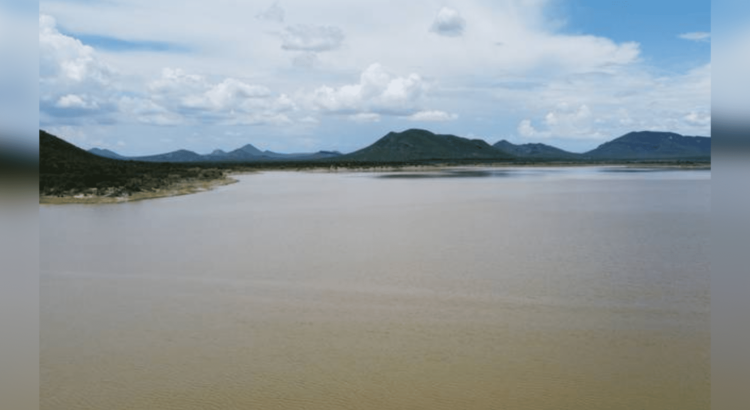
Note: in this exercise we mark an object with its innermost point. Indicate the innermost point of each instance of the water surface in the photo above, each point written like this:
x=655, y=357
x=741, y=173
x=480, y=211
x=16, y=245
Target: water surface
x=469, y=288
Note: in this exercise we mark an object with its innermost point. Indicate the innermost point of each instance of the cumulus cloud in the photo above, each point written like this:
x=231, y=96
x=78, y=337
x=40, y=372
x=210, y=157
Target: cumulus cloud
x=232, y=93
x=177, y=80
x=75, y=84
x=274, y=13
x=378, y=91
x=432, y=116
x=448, y=22
x=602, y=106
x=568, y=120
x=565, y=121
x=527, y=130
x=312, y=38
x=179, y=95
x=696, y=36
x=259, y=118
x=65, y=60
x=76, y=101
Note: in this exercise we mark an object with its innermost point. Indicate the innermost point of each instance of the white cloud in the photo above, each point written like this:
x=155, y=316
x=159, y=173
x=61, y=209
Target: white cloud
x=432, y=116
x=259, y=118
x=232, y=93
x=177, y=80
x=527, y=130
x=75, y=85
x=192, y=97
x=601, y=106
x=76, y=101
x=698, y=118
x=312, y=38
x=565, y=121
x=65, y=60
x=696, y=36
x=274, y=13
x=378, y=91
x=365, y=117
x=448, y=22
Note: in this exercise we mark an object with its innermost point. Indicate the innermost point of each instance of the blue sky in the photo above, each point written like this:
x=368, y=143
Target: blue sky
x=651, y=23
x=294, y=75
x=117, y=45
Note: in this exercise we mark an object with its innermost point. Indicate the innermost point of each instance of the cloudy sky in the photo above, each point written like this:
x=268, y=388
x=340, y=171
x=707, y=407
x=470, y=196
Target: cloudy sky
x=145, y=76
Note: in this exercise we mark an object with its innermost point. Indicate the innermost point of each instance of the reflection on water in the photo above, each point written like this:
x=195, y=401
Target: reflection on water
x=450, y=173
x=558, y=172
x=660, y=170
x=554, y=289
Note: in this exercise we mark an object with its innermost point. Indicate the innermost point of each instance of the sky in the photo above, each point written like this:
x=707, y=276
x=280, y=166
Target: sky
x=143, y=77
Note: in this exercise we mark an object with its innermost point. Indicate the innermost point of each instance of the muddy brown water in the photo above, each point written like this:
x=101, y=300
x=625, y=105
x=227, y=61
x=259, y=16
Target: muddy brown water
x=574, y=288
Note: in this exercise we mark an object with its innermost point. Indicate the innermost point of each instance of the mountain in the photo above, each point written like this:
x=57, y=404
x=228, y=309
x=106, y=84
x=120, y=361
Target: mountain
x=419, y=145
x=301, y=156
x=534, y=151
x=250, y=150
x=652, y=145
x=175, y=156
x=247, y=153
x=106, y=153
x=322, y=155
x=182, y=155
x=58, y=155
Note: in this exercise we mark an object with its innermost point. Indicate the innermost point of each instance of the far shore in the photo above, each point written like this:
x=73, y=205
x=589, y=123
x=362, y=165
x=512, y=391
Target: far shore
x=192, y=187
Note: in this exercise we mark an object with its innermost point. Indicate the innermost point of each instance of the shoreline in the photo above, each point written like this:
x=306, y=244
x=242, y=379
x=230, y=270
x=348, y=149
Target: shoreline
x=179, y=189
x=193, y=187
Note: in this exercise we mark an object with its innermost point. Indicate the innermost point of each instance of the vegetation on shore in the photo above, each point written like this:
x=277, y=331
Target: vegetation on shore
x=68, y=171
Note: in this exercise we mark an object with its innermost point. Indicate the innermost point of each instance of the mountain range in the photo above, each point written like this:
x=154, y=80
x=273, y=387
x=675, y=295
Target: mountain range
x=423, y=145
x=247, y=153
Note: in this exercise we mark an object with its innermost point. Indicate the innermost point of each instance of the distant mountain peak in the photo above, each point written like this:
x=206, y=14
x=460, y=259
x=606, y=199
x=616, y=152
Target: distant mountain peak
x=419, y=145
x=250, y=149
x=534, y=150
x=653, y=145
x=102, y=152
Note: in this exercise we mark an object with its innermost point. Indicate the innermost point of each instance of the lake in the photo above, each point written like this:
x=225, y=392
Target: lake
x=466, y=288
